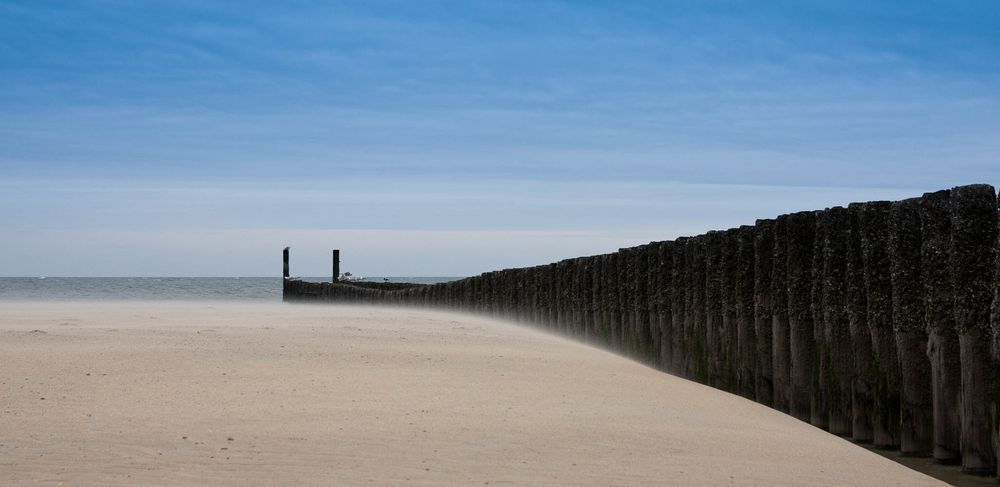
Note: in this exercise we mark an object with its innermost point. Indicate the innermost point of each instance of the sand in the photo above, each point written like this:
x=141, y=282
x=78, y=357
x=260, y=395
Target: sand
x=206, y=393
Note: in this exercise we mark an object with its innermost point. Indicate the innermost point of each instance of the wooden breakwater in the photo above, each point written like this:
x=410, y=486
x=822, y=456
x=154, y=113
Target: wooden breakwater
x=878, y=321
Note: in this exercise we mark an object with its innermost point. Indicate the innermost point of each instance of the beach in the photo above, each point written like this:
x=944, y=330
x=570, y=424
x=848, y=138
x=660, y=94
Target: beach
x=216, y=393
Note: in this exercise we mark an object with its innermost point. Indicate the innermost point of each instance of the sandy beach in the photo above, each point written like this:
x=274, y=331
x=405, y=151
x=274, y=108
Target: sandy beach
x=174, y=393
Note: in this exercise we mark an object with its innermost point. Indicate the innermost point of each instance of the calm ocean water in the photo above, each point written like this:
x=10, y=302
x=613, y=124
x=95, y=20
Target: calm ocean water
x=159, y=288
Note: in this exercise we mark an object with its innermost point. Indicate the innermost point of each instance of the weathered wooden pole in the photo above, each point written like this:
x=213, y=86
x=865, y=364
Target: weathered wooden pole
x=562, y=296
x=666, y=305
x=878, y=291
x=819, y=411
x=995, y=325
x=626, y=300
x=629, y=305
x=697, y=330
x=577, y=326
x=336, y=265
x=597, y=301
x=587, y=297
x=607, y=300
x=713, y=306
x=862, y=399
x=837, y=324
x=641, y=272
x=652, y=274
x=763, y=248
x=780, y=340
x=916, y=433
x=801, y=229
x=612, y=311
x=974, y=222
x=728, y=340
x=678, y=306
x=745, y=332
x=286, y=293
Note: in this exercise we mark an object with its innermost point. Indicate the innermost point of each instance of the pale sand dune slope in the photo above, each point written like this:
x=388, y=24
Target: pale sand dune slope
x=265, y=394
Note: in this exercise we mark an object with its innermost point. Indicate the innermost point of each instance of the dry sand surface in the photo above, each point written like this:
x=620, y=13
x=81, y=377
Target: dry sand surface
x=269, y=394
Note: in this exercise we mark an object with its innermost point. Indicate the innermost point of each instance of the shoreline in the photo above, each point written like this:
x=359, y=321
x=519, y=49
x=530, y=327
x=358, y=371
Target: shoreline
x=241, y=393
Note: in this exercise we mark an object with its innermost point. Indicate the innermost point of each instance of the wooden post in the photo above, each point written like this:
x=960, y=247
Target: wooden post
x=597, y=300
x=745, y=336
x=697, y=331
x=713, y=306
x=878, y=290
x=284, y=262
x=621, y=301
x=640, y=277
x=678, y=306
x=666, y=305
x=974, y=221
x=728, y=339
x=763, y=248
x=820, y=412
x=862, y=399
x=336, y=265
x=801, y=232
x=995, y=325
x=780, y=345
x=654, y=305
x=916, y=433
x=837, y=330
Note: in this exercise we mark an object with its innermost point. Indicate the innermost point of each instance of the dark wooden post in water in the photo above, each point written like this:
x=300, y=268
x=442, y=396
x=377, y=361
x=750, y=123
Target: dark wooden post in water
x=916, y=433
x=284, y=275
x=939, y=319
x=862, y=400
x=878, y=291
x=836, y=323
x=780, y=345
x=801, y=232
x=974, y=220
x=336, y=265
x=763, y=248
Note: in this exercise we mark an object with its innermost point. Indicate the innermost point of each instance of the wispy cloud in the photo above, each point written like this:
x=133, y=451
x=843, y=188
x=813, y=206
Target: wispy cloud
x=609, y=123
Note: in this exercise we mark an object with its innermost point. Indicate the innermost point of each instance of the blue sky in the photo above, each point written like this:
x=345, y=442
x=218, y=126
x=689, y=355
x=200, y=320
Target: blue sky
x=452, y=138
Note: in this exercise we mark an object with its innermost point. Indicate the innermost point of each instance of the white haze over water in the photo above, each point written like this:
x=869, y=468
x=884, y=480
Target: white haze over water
x=44, y=288
x=427, y=228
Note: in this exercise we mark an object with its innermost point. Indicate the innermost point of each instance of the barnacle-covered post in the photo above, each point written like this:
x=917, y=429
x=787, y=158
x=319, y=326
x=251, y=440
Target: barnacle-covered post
x=763, y=248
x=878, y=292
x=780, y=344
x=974, y=222
x=916, y=433
x=801, y=229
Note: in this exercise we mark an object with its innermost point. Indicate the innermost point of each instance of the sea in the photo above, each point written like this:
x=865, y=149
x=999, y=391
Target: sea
x=162, y=288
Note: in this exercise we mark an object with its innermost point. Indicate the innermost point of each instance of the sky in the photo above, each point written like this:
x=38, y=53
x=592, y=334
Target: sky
x=438, y=138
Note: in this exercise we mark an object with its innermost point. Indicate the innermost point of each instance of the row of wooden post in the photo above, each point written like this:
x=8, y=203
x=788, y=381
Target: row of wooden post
x=875, y=321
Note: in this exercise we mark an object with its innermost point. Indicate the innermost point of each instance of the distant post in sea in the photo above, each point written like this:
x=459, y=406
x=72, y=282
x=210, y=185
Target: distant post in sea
x=336, y=265
x=284, y=259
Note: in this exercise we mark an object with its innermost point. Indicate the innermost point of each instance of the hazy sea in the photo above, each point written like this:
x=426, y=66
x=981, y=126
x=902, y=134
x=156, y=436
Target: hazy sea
x=161, y=288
